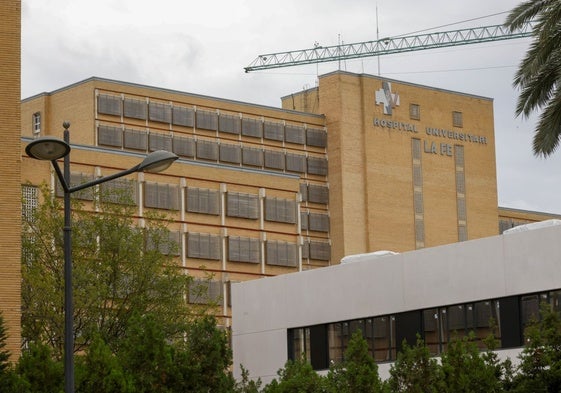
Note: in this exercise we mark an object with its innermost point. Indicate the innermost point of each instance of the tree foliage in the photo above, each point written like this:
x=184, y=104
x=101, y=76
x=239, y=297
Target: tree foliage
x=358, y=373
x=538, y=76
x=414, y=371
x=115, y=274
x=540, y=362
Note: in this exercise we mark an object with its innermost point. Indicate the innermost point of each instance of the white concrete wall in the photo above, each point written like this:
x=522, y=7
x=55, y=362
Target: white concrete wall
x=480, y=269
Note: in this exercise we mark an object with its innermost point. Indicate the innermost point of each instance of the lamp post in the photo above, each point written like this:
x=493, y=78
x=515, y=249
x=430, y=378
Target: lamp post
x=53, y=149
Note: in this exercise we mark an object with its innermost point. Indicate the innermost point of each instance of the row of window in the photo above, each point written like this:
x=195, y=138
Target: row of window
x=505, y=318
x=210, y=120
x=206, y=201
x=242, y=249
x=415, y=114
x=200, y=149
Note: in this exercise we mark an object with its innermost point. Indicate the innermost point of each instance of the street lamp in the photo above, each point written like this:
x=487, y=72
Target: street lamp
x=53, y=149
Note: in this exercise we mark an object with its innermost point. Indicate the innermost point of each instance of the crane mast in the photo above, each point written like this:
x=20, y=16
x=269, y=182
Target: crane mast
x=387, y=46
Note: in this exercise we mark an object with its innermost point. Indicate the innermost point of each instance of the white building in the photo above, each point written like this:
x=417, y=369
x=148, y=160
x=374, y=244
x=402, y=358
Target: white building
x=490, y=284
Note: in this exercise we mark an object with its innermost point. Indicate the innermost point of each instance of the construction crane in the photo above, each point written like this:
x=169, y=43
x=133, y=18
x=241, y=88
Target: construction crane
x=386, y=46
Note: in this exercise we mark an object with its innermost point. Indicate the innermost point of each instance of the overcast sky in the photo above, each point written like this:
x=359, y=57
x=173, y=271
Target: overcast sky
x=202, y=47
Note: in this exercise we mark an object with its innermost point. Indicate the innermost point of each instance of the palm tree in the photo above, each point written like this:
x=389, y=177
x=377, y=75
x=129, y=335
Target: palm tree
x=539, y=74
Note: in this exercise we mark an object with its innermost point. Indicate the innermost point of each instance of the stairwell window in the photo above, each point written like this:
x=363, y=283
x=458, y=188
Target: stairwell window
x=36, y=123
x=457, y=119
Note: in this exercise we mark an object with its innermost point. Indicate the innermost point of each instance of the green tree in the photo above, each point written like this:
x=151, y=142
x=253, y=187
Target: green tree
x=466, y=369
x=118, y=270
x=358, y=373
x=540, y=361
x=100, y=371
x=538, y=77
x=38, y=371
x=247, y=385
x=414, y=371
x=7, y=374
x=297, y=376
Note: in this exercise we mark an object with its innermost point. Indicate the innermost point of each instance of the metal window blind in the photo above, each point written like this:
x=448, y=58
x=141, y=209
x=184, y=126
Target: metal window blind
x=294, y=134
x=183, y=116
x=203, y=245
x=207, y=150
x=318, y=222
x=110, y=136
x=207, y=120
x=273, y=131
x=109, y=105
x=159, y=142
x=137, y=140
x=166, y=242
x=320, y=251
x=296, y=163
x=120, y=191
x=230, y=124
x=243, y=249
x=304, y=221
x=316, y=137
x=274, y=159
x=161, y=196
x=201, y=200
x=184, y=147
x=230, y=153
x=252, y=156
x=159, y=112
x=281, y=253
x=135, y=109
x=280, y=210
x=252, y=127
x=304, y=191
x=242, y=205
x=317, y=166
x=318, y=194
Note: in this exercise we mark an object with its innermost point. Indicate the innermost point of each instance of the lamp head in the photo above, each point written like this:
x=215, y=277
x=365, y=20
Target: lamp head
x=157, y=161
x=47, y=148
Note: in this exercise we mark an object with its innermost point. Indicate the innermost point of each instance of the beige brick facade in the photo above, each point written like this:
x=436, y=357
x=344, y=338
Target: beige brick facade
x=10, y=171
x=376, y=202
x=358, y=164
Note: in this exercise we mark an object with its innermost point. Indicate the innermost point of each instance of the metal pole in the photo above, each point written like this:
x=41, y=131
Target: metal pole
x=68, y=301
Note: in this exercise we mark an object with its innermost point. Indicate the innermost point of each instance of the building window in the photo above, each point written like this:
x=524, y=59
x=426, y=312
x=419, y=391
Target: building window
x=135, y=109
x=109, y=105
x=414, y=111
x=457, y=119
x=252, y=127
x=182, y=116
x=159, y=142
x=136, y=140
x=244, y=249
x=164, y=241
x=280, y=210
x=281, y=253
x=159, y=112
x=77, y=178
x=229, y=124
x=36, y=123
x=296, y=163
x=161, y=196
x=110, y=136
x=203, y=245
x=120, y=191
x=200, y=200
x=207, y=150
x=273, y=131
x=207, y=120
x=316, y=137
x=184, y=147
x=30, y=202
x=231, y=154
x=317, y=166
x=205, y=291
x=295, y=134
x=252, y=156
x=242, y=205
